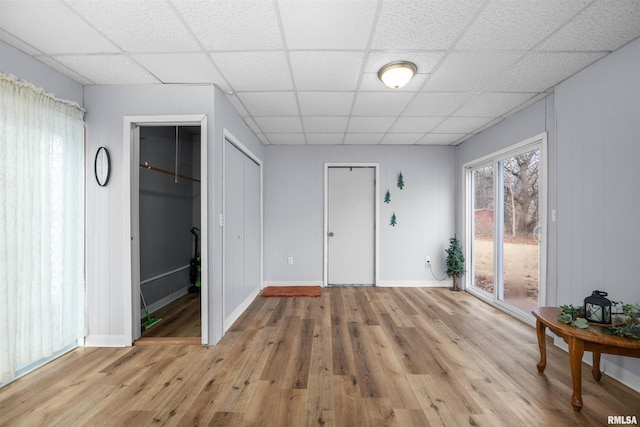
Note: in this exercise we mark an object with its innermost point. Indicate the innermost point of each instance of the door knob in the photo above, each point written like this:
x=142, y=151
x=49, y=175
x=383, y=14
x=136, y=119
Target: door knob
x=330, y=234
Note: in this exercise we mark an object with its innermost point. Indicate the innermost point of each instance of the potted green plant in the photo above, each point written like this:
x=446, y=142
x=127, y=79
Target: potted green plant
x=455, y=261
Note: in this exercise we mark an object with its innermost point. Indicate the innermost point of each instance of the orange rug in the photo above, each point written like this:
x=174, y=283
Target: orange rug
x=291, y=291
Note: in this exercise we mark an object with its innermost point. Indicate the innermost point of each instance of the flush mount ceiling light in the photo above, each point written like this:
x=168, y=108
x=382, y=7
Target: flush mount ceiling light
x=397, y=74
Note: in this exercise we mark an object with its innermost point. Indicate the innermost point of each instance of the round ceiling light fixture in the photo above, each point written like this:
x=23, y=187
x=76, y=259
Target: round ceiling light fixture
x=397, y=74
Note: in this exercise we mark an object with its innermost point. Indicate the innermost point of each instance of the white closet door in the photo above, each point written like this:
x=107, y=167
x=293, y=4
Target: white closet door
x=233, y=227
x=252, y=229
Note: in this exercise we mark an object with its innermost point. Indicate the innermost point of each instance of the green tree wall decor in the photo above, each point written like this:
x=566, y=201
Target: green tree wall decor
x=393, y=220
x=455, y=261
x=387, y=197
x=400, y=181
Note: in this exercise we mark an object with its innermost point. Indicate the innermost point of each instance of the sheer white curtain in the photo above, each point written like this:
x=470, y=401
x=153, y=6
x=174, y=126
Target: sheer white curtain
x=41, y=225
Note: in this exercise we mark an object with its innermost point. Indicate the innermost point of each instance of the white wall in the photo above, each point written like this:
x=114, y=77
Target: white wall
x=294, y=210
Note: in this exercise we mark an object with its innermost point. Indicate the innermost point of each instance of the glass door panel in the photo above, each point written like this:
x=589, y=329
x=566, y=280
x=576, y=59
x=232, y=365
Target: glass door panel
x=519, y=229
x=483, y=230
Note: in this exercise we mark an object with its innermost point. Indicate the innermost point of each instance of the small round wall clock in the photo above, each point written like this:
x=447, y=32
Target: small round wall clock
x=102, y=166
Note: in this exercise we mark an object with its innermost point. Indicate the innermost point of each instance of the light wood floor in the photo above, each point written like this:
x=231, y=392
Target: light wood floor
x=180, y=318
x=352, y=357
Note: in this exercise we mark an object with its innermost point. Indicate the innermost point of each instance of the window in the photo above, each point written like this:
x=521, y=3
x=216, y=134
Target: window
x=505, y=219
x=41, y=226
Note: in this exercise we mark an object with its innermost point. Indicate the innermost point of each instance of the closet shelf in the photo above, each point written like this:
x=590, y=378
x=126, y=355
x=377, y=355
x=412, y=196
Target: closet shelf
x=153, y=168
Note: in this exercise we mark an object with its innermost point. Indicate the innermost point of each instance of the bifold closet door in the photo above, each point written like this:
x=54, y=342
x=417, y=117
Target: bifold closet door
x=242, y=230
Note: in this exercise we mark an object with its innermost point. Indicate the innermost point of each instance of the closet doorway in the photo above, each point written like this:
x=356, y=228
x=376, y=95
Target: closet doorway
x=168, y=233
x=169, y=230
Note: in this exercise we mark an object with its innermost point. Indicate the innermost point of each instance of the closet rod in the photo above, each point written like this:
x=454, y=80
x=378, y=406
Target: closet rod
x=153, y=168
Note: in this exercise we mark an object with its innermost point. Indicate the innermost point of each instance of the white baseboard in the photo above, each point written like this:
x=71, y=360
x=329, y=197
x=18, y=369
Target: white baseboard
x=106, y=341
x=415, y=283
x=239, y=310
x=164, y=301
x=616, y=372
x=292, y=283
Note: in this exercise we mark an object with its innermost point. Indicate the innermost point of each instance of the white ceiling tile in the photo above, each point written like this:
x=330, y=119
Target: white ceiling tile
x=463, y=139
x=325, y=138
x=237, y=104
x=371, y=82
x=381, y=103
x=454, y=73
x=436, y=103
x=321, y=24
x=492, y=104
x=415, y=124
x=269, y=103
x=324, y=124
x=440, y=138
x=279, y=124
x=263, y=139
x=18, y=44
x=252, y=125
x=363, y=138
x=539, y=71
x=401, y=138
x=233, y=25
x=531, y=101
x=286, y=138
x=35, y=23
x=138, y=26
x=425, y=60
x=254, y=71
x=604, y=25
x=325, y=103
x=419, y=24
x=370, y=124
x=180, y=67
x=461, y=124
x=517, y=25
x=332, y=71
x=487, y=125
x=108, y=69
x=65, y=70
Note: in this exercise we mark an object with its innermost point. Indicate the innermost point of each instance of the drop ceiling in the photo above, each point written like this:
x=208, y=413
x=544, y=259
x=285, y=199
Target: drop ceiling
x=305, y=72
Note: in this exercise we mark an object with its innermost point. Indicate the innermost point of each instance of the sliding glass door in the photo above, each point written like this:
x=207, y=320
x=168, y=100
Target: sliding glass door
x=505, y=202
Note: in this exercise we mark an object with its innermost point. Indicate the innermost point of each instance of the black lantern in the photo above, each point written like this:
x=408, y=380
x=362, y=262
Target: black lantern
x=597, y=308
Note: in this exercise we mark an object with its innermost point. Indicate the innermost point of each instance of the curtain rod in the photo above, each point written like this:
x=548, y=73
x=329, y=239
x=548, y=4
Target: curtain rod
x=153, y=168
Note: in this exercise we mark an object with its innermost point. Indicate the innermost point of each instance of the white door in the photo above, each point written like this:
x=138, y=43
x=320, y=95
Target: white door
x=351, y=226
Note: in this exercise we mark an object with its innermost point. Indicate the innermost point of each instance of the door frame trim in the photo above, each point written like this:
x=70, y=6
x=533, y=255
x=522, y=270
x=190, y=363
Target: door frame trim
x=131, y=279
x=492, y=159
x=376, y=244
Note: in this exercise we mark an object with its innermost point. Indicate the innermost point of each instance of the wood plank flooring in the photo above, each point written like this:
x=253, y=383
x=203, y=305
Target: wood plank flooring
x=180, y=318
x=352, y=357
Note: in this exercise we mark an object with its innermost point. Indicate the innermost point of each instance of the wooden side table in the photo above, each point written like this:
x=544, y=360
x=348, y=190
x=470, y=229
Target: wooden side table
x=580, y=340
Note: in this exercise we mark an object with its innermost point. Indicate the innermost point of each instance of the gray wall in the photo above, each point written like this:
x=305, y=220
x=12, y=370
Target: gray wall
x=166, y=212
x=294, y=210
x=593, y=125
x=108, y=287
x=598, y=187
x=28, y=69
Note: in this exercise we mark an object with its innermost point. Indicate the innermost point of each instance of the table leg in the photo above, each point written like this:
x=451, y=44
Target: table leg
x=595, y=370
x=542, y=343
x=576, y=350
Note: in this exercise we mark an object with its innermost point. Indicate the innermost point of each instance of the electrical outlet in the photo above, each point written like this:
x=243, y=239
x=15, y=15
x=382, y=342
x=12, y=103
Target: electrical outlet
x=290, y=260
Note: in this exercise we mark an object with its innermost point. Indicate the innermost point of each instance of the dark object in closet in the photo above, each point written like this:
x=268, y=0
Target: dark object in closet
x=194, y=264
